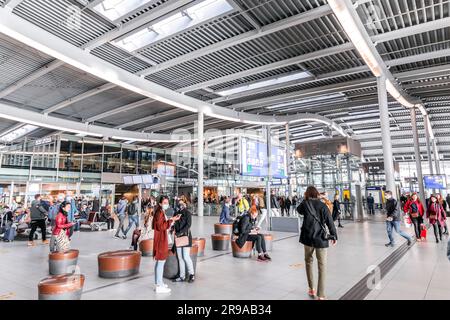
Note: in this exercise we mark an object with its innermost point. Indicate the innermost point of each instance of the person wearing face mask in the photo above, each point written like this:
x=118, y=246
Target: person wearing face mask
x=61, y=231
x=393, y=220
x=225, y=217
x=436, y=216
x=415, y=210
x=161, y=225
x=183, y=243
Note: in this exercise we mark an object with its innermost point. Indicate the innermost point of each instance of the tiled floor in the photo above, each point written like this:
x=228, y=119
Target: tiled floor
x=219, y=276
x=423, y=273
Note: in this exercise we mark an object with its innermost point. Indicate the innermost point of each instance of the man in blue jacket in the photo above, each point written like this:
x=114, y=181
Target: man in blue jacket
x=225, y=217
x=71, y=214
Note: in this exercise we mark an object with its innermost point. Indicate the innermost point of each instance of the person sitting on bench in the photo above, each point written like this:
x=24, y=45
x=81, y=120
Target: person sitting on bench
x=249, y=232
x=225, y=216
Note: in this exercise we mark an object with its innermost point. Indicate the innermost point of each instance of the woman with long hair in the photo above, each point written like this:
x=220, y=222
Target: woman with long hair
x=315, y=238
x=444, y=204
x=414, y=208
x=161, y=224
x=435, y=214
x=183, y=244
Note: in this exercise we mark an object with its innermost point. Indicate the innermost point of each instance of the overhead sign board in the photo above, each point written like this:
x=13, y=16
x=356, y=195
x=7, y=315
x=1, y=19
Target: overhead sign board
x=254, y=160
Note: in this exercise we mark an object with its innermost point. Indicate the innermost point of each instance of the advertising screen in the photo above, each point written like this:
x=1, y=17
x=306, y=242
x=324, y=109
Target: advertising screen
x=254, y=159
x=435, y=182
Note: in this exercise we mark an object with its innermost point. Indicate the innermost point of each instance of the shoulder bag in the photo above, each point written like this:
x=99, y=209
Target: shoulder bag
x=182, y=241
x=62, y=242
x=325, y=234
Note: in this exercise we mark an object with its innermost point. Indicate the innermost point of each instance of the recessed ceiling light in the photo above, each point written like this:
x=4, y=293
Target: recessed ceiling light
x=265, y=83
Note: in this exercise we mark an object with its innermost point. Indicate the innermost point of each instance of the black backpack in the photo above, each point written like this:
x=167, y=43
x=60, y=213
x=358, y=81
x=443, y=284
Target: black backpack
x=132, y=210
x=237, y=224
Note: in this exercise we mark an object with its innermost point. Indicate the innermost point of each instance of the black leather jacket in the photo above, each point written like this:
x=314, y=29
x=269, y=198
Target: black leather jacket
x=183, y=226
x=311, y=233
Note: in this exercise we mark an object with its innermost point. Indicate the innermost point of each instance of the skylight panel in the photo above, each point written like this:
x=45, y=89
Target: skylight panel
x=175, y=23
x=17, y=133
x=115, y=9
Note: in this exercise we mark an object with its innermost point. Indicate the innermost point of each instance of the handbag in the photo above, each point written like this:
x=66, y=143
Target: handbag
x=62, y=241
x=182, y=241
x=325, y=233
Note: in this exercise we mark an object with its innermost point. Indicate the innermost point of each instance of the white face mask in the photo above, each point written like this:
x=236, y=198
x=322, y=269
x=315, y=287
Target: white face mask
x=165, y=207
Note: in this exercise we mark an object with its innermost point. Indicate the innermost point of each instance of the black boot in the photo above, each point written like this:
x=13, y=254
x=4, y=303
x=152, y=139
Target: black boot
x=191, y=278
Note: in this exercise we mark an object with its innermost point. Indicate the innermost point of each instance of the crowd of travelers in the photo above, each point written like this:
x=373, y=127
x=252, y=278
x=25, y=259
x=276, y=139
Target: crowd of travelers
x=168, y=222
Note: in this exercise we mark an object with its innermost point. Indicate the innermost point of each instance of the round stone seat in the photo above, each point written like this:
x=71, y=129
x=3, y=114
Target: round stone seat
x=268, y=238
x=201, y=244
x=61, y=287
x=118, y=264
x=244, y=252
x=223, y=228
x=220, y=242
x=146, y=247
x=171, y=267
x=62, y=262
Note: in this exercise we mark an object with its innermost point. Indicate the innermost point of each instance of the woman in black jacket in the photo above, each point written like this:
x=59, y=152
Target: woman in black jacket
x=314, y=237
x=182, y=230
x=248, y=231
x=337, y=211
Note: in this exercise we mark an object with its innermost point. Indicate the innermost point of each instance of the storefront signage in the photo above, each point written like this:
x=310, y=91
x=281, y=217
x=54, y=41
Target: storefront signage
x=141, y=179
x=43, y=141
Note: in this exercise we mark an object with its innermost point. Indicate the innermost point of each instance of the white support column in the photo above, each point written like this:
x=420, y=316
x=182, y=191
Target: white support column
x=426, y=122
x=386, y=134
x=11, y=193
x=200, y=163
x=417, y=155
x=268, y=192
x=436, y=157
x=288, y=159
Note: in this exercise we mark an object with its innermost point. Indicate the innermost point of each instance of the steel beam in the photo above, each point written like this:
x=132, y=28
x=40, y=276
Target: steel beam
x=272, y=66
x=79, y=97
x=151, y=117
x=140, y=21
x=38, y=119
x=124, y=108
x=245, y=37
x=41, y=40
x=31, y=77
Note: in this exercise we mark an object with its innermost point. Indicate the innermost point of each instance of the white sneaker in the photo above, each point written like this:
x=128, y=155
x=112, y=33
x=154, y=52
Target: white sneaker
x=162, y=289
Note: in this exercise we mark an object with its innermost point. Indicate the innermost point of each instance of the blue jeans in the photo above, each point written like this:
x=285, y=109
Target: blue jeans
x=159, y=271
x=121, y=225
x=390, y=225
x=132, y=220
x=184, y=259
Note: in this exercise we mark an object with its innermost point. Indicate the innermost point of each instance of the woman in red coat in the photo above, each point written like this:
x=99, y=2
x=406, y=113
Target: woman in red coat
x=415, y=210
x=436, y=216
x=160, y=243
x=61, y=224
